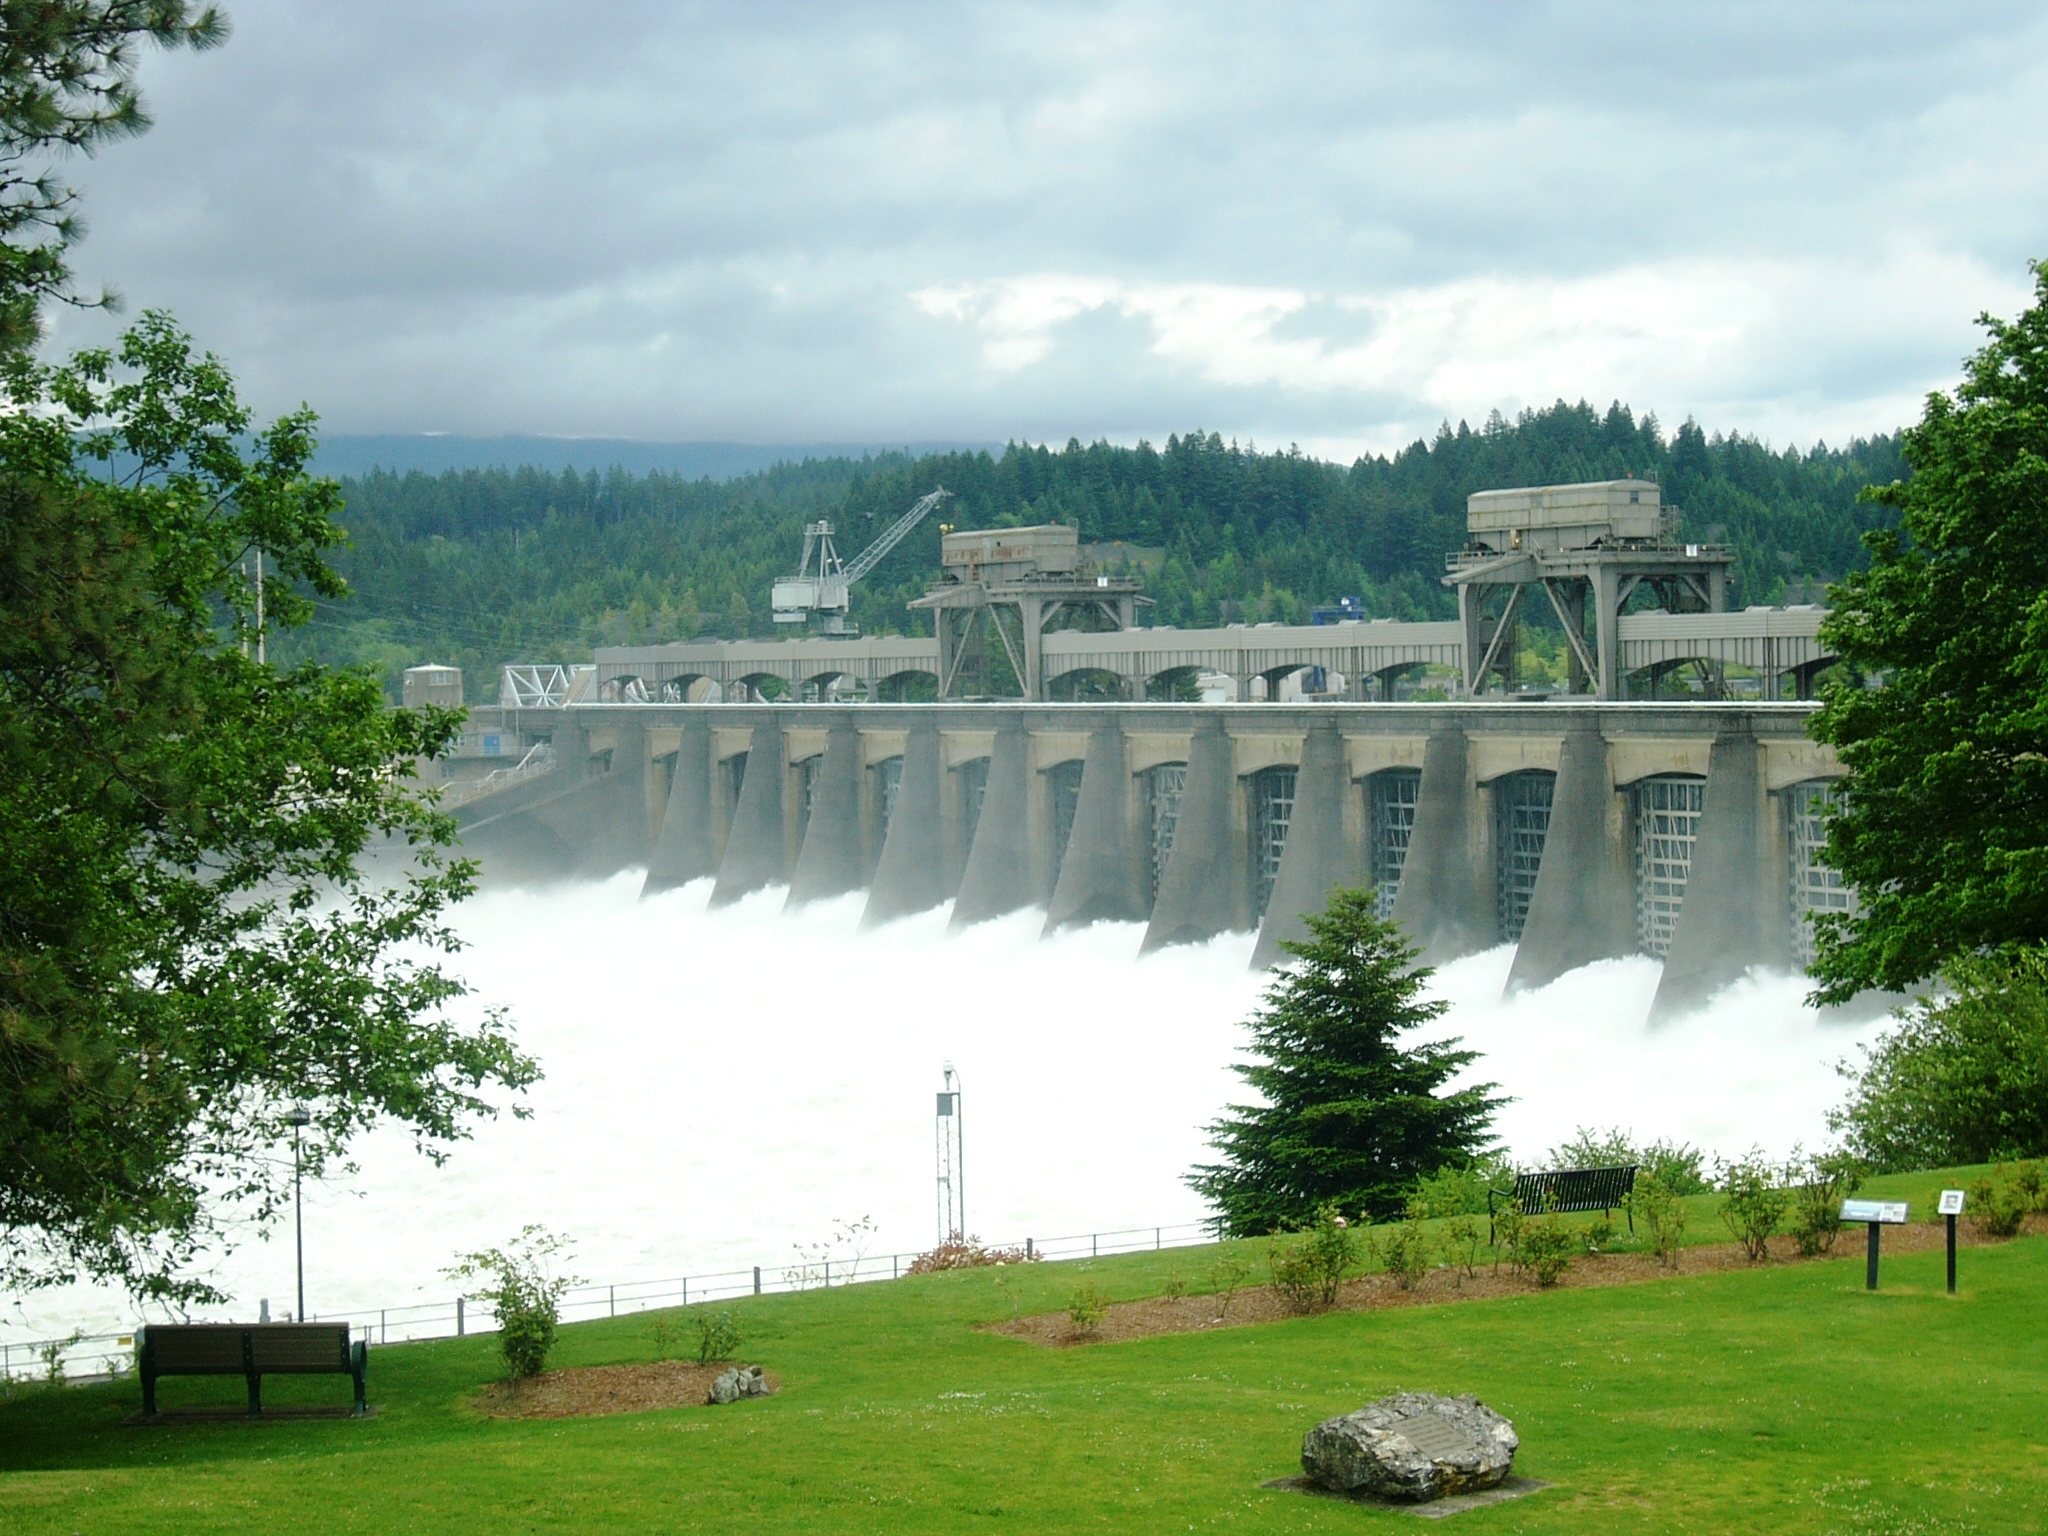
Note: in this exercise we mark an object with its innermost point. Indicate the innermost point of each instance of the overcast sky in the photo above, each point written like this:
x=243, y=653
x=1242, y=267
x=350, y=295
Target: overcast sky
x=1331, y=225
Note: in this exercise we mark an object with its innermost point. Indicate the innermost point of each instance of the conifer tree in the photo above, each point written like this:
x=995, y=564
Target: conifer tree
x=1350, y=1115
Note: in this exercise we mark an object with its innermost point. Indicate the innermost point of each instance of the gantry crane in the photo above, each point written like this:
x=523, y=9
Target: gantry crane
x=823, y=590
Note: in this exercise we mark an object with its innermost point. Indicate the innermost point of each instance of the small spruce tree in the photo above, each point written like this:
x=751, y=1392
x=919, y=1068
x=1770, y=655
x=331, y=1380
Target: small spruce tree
x=1350, y=1117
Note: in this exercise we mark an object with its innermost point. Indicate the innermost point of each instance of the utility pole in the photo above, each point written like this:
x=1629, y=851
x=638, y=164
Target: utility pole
x=298, y=1119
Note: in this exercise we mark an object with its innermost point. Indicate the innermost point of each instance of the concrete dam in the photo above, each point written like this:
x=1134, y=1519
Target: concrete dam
x=1575, y=830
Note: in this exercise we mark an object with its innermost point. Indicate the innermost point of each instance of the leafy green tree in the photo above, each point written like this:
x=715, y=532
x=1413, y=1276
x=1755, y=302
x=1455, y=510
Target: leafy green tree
x=189, y=943
x=1349, y=1115
x=1963, y=1077
x=67, y=85
x=1943, y=832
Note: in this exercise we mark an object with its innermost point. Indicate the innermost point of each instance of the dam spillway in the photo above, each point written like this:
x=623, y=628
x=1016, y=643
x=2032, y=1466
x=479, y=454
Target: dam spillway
x=1577, y=831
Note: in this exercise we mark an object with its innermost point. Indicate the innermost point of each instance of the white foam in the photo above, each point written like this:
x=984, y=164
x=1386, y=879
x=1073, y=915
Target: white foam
x=723, y=1085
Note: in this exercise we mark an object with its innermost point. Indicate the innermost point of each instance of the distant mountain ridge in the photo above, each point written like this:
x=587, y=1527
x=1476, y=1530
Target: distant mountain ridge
x=434, y=453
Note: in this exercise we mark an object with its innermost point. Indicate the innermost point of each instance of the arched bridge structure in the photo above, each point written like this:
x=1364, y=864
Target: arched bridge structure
x=1781, y=644
x=1575, y=831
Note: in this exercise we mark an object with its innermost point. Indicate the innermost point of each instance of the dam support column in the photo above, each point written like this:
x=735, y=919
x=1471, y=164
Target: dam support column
x=1202, y=891
x=683, y=849
x=1444, y=901
x=911, y=876
x=1728, y=922
x=1583, y=907
x=1101, y=878
x=1318, y=856
x=757, y=846
x=831, y=862
x=999, y=878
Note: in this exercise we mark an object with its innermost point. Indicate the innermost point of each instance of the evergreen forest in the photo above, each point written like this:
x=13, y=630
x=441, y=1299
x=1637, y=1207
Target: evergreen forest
x=482, y=567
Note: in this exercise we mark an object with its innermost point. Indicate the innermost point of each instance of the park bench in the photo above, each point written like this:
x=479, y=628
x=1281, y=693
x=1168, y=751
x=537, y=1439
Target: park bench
x=1572, y=1189
x=252, y=1351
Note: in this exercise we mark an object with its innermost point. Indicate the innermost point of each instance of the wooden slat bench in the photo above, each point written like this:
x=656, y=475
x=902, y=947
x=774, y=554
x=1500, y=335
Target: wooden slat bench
x=252, y=1351
x=1573, y=1189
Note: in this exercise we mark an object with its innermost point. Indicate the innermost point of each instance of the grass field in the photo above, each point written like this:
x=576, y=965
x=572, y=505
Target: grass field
x=1785, y=1398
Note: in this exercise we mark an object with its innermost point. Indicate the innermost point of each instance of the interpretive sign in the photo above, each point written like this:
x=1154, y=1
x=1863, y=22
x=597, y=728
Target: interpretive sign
x=1891, y=1212
x=1950, y=1208
x=1951, y=1203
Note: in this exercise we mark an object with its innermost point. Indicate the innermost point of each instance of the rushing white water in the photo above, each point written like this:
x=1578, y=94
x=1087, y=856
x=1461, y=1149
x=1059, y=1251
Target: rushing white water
x=725, y=1085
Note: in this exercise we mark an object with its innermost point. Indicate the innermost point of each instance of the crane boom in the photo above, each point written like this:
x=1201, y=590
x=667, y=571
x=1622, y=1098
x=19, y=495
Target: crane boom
x=897, y=532
x=824, y=590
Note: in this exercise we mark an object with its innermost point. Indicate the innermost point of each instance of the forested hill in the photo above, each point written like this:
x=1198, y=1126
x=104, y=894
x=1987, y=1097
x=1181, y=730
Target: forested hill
x=483, y=567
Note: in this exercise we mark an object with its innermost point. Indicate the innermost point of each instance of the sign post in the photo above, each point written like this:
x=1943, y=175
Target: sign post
x=1951, y=1206
x=1874, y=1214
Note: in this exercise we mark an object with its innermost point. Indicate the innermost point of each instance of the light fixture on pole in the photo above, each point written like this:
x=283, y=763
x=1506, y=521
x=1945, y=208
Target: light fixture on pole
x=298, y=1118
x=952, y=1157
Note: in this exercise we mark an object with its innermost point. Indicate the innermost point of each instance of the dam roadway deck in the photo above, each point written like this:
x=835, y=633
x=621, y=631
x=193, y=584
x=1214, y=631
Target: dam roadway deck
x=1578, y=831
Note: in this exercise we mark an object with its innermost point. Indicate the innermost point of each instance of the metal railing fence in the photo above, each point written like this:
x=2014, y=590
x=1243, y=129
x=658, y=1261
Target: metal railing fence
x=99, y=1356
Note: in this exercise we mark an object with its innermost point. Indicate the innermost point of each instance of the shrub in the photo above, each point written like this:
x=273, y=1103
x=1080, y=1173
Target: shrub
x=664, y=1338
x=525, y=1297
x=2031, y=1179
x=966, y=1253
x=1226, y=1276
x=718, y=1336
x=1461, y=1246
x=1999, y=1205
x=1753, y=1202
x=1674, y=1164
x=1963, y=1078
x=1407, y=1252
x=1175, y=1288
x=1599, y=1233
x=1308, y=1270
x=1461, y=1189
x=1546, y=1249
x=1086, y=1310
x=1819, y=1186
x=1655, y=1206
x=1508, y=1223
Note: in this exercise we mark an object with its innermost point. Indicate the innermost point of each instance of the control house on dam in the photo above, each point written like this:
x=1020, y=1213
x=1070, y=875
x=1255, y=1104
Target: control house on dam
x=1577, y=826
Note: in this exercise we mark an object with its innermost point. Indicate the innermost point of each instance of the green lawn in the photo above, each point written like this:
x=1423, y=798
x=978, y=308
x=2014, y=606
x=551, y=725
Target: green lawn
x=1781, y=1399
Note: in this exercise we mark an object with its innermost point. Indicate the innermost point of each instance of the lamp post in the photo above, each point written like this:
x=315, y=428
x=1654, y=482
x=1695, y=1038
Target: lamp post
x=298, y=1118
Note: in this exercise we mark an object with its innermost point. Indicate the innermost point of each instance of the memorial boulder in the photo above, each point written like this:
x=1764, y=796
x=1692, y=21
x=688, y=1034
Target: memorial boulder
x=1413, y=1445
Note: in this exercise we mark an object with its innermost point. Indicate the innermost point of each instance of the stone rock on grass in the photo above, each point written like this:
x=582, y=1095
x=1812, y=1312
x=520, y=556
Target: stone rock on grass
x=1413, y=1445
x=737, y=1382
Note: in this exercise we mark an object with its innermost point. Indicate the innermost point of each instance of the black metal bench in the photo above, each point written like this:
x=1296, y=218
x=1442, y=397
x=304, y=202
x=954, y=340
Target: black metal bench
x=1572, y=1189
x=253, y=1351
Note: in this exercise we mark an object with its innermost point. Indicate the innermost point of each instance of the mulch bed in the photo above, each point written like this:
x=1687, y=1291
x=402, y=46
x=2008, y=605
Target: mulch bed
x=1371, y=1293
x=599, y=1389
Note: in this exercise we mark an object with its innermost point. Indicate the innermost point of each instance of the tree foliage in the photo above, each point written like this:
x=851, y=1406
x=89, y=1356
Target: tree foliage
x=189, y=944
x=1350, y=1117
x=1943, y=833
x=1962, y=1077
x=67, y=85
x=481, y=567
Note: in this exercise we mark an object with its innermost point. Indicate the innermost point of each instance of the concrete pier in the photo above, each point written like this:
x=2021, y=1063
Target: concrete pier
x=686, y=847
x=1321, y=852
x=1728, y=923
x=1444, y=902
x=911, y=875
x=1101, y=873
x=757, y=847
x=1002, y=874
x=1205, y=888
x=833, y=860
x=1582, y=910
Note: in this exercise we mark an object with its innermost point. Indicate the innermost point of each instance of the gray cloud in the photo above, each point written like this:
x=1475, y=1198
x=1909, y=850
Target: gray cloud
x=1331, y=224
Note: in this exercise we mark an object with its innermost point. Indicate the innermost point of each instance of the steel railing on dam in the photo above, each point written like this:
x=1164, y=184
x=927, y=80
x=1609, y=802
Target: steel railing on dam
x=1577, y=831
x=1781, y=645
